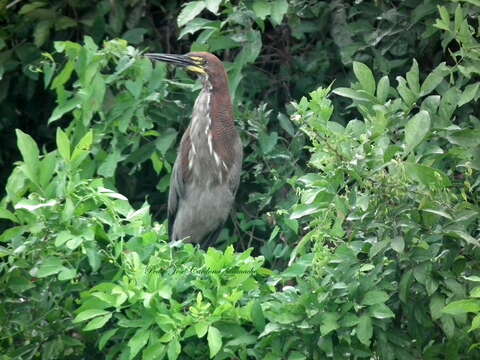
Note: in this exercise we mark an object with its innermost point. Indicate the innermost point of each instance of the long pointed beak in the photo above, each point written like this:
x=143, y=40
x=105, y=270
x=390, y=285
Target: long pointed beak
x=179, y=60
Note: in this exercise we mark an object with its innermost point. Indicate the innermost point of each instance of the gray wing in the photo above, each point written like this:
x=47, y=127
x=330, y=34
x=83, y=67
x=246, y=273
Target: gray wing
x=174, y=195
x=234, y=175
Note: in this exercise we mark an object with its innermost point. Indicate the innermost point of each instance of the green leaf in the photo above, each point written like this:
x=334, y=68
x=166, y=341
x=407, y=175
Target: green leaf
x=468, y=94
x=89, y=314
x=214, y=338
x=261, y=8
x=49, y=266
x=365, y=330
x=437, y=303
x=434, y=79
x=41, y=32
x=190, y=11
x=30, y=154
x=353, y=94
x=302, y=210
x=107, y=335
x=475, y=323
x=427, y=175
x=466, y=138
x=154, y=351
x=375, y=297
x=407, y=95
x=64, y=108
x=257, y=316
x=173, y=349
x=380, y=311
x=268, y=142
x=329, y=323
x=5, y=214
x=365, y=76
x=278, y=10
x=383, y=89
x=109, y=165
x=213, y=5
x=97, y=323
x=398, y=244
x=201, y=328
x=63, y=144
x=67, y=274
x=413, y=78
x=82, y=149
x=462, y=307
x=138, y=341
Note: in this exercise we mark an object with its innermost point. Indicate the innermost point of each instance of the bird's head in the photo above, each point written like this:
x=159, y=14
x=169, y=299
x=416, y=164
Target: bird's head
x=207, y=65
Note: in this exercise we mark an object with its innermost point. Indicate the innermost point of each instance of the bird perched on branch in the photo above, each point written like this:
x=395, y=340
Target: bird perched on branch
x=206, y=172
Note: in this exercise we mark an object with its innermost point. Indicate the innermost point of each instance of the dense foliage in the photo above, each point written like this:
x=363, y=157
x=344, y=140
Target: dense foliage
x=357, y=221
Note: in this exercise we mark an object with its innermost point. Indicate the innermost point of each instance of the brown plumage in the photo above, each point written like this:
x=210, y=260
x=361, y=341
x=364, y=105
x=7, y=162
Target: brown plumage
x=207, y=170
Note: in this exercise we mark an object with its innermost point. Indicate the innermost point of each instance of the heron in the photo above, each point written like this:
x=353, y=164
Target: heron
x=206, y=172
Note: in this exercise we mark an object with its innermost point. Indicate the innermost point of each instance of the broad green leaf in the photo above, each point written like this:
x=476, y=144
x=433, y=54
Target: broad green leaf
x=201, y=328
x=47, y=168
x=383, y=89
x=189, y=12
x=375, y=297
x=261, y=8
x=41, y=32
x=413, y=78
x=5, y=214
x=67, y=274
x=268, y=142
x=380, y=311
x=329, y=323
x=257, y=316
x=97, y=323
x=214, y=338
x=49, y=266
x=138, y=341
x=468, y=94
x=365, y=329
x=82, y=149
x=165, y=142
x=437, y=303
x=63, y=144
x=30, y=154
x=213, y=5
x=107, y=335
x=365, y=76
x=154, y=351
x=468, y=138
x=398, y=244
x=109, y=165
x=407, y=95
x=475, y=323
x=302, y=210
x=89, y=314
x=434, y=79
x=352, y=94
x=278, y=10
x=462, y=307
x=475, y=293
x=427, y=175
x=173, y=349
x=296, y=355
x=416, y=130
x=65, y=107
